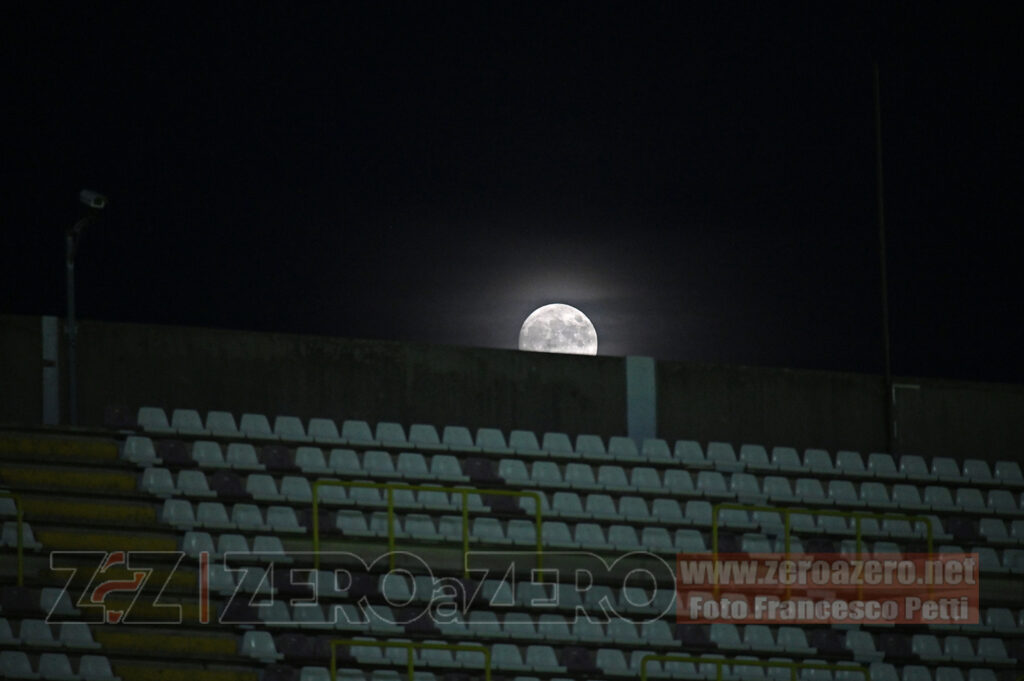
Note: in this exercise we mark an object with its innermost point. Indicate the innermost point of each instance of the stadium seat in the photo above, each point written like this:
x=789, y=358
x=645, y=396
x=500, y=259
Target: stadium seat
x=711, y=484
x=283, y=519
x=946, y=470
x=592, y=447
x=927, y=647
x=850, y=465
x=207, y=454
x=260, y=646
x=153, y=420
x=793, y=641
x=1000, y=501
x=221, y=424
x=578, y=476
x=557, y=444
x=655, y=450
x=139, y=450
x=623, y=538
x=193, y=483
x=843, y=493
x=506, y=657
x=1008, y=474
x=344, y=462
x=378, y=463
x=678, y=482
x=623, y=450
x=611, y=662
x=458, y=438
x=310, y=461
x=907, y=498
x=36, y=633
x=755, y=459
x=810, y=491
x=290, y=429
x=722, y=456
x=976, y=471
x=324, y=431
x=745, y=488
x=690, y=541
x=158, y=482
x=256, y=426
x=241, y=456
x=296, y=489
x=356, y=432
x=412, y=466
x=875, y=496
x=633, y=509
x=759, y=637
x=612, y=478
x=522, y=532
x=56, y=667
x=915, y=469
x=645, y=479
x=939, y=499
x=993, y=651
x=547, y=473
x=970, y=500
x=726, y=637
x=698, y=512
x=525, y=442
x=179, y=513
x=488, y=530
x=690, y=455
x=15, y=665
x=76, y=635
x=787, y=460
x=590, y=536
x=95, y=668
x=777, y=489
x=213, y=515
x=819, y=462
x=883, y=467
x=993, y=530
x=556, y=535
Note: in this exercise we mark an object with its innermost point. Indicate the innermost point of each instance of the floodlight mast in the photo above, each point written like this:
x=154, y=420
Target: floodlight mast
x=95, y=202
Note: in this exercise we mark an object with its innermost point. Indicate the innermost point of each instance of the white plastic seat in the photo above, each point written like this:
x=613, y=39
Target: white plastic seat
x=525, y=442
x=9, y=536
x=759, y=637
x=698, y=512
x=458, y=438
x=711, y=484
x=819, y=462
x=56, y=667
x=221, y=424
x=447, y=468
x=435, y=500
x=645, y=479
x=726, y=637
x=976, y=471
x=324, y=431
x=507, y=657
x=356, y=432
x=777, y=489
x=344, y=462
x=590, y=535
x=247, y=517
x=15, y=665
x=755, y=543
x=1008, y=474
x=208, y=454
x=592, y=447
x=787, y=459
x=755, y=459
x=969, y=499
x=611, y=662
x=1000, y=620
x=851, y=465
x=178, y=512
x=794, y=641
x=1001, y=501
x=378, y=463
x=678, y=482
x=290, y=429
x=927, y=647
x=522, y=532
x=492, y=441
x=96, y=668
x=259, y=645
x=195, y=542
x=946, y=470
x=939, y=499
x=810, y=491
x=654, y=450
x=488, y=530
x=745, y=488
x=907, y=498
x=722, y=456
x=862, y=645
x=36, y=633
x=241, y=456
x=423, y=437
x=690, y=454
x=875, y=496
x=153, y=420
x=690, y=541
x=557, y=444
x=213, y=515
x=256, y=426
x=993, y=530
x=735, y=519
x=232, y=543
x=158, y=482
x=296, y=489
x=269, y=547
x=412, y=466
x=192, y=483
x=623, y=538
x=139, y=450
x=547, y=474
x=580, y=476
x=366, y=496
x=421, y=526
x=77, y=635
x=262, y=487
x=667, y=511
x=352, y=523
x=881, y=465
x=656, y=539
x=310, y=461
x=390, y=434
x=590, y=631
x=513, y=472
x=567, y=504
x=915, y=468
x=613, y=478
x=556, y=535
x=992, y=650
x=624, y=449
x=843, y=493
x=633, y=509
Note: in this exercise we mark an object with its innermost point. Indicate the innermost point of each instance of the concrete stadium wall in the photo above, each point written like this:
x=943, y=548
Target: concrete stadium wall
x=132, y=365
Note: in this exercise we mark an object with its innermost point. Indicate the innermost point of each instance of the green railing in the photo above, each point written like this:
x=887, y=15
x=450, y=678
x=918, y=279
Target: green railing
x=857, y=516
x=18, y=514
x=392, y=486
x=721, y=662
x=411, y=648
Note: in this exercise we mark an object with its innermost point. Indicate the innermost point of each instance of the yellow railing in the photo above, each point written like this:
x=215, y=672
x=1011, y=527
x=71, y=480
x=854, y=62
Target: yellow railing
x=857, y=516
x=721, y=662
x=410, y=649
x=390, y=487
x=18, y=513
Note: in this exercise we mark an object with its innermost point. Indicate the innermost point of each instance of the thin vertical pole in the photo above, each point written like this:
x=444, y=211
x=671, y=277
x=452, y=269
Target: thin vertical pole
x=880, y=192
x=72, y=331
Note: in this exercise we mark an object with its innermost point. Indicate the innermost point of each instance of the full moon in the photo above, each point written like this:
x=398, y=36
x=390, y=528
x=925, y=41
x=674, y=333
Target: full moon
x=558, y=328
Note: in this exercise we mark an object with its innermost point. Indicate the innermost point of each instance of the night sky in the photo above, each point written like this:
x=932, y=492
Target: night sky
x=698, y=178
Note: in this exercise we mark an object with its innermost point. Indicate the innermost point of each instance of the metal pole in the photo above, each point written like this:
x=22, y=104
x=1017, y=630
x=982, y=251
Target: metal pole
x=886, y=345
x=70, y=239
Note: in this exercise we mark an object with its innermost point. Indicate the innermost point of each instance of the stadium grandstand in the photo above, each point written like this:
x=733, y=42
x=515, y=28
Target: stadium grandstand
x=257, y=507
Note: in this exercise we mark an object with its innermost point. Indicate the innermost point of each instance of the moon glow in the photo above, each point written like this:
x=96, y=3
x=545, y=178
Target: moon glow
x=558, y=328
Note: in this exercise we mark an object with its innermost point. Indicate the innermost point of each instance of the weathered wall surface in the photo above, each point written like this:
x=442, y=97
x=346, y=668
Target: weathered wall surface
x=133, y=365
